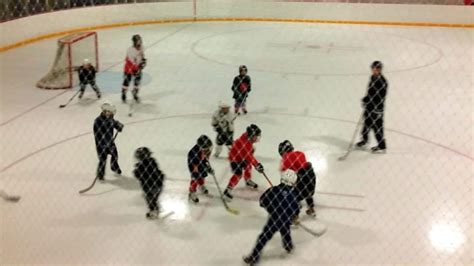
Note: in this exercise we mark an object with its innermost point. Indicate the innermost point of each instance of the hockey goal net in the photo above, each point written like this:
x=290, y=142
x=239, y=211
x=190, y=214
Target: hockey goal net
x=71, y=52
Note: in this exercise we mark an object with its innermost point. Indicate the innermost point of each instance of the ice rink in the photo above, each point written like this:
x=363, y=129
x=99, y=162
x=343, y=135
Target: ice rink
x=413, y=205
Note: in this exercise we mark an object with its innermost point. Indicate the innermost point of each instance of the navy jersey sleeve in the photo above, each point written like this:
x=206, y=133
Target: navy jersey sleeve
x=193, y=162
x=235, y=84
x=98, y=133
x=266, y=199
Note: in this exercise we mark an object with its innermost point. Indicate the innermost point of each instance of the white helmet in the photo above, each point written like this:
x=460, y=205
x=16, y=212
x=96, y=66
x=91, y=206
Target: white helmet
x=86, y=61
x=107, y=106
x=288, y=177
x=223, y=104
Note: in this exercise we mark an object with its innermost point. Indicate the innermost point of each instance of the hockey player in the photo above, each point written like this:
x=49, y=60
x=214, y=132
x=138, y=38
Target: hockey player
x=306, y=183
x=241, y=160
x=281, y=204
x=104, y=126
x=134, y=64
x=151, y=180
x=373, y=104
x=241, y=88
x=199, y=167
x=86, y=74
x=223, y=123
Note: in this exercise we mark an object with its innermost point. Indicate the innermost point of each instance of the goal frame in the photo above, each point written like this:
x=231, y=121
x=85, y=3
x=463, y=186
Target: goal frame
x=69, y=46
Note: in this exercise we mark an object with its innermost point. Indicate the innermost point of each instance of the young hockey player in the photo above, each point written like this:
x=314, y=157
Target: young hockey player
x=223, y=123
x=134, y=64
x=281, y=204
x=86, y=74
x=241, y=88
x=306, y=183
x=104, y=126
x=241, y=160
x=199, y=167
x=151, y=180
x=373, y=104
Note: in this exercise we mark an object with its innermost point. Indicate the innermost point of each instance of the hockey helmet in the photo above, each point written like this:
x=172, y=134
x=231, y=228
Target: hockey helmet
x=136, y=38
x=289, y=177
x=204, y=142
x=376, y=65
x=142, y=153
x=108, y=107
x=253, y=131
x=285, y=147
x=223, y=105
x=243, y=68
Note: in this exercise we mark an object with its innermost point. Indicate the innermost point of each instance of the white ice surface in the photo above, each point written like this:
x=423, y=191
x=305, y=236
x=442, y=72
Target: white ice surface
x=413, y=205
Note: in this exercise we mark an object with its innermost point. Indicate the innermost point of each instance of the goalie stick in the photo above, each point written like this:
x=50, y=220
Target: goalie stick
x=351, y=144
x=229, y=209
x=97, y=177
x=70, y=100
x=10, y=198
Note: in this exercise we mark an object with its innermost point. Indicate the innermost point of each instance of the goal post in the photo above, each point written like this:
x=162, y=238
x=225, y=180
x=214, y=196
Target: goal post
x=72, y=50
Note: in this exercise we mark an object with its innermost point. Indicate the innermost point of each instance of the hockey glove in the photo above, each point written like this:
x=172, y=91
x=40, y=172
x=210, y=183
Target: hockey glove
x=259, y=168
x=119, y=126
x=143, y=64
x=219, y=130
x=210, y=170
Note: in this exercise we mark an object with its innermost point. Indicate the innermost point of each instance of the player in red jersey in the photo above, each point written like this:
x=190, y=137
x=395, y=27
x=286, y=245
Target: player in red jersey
x=241, y=159
x=306, y=183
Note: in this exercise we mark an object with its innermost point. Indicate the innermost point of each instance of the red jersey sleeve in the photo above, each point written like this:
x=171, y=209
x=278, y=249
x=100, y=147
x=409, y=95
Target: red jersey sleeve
x=294, y=160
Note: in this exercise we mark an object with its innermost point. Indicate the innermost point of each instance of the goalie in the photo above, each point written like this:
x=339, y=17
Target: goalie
x=134, y=64
x=86, y=74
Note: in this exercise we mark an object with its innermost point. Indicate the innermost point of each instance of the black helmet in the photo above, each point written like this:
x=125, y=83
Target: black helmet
x=253, y=130
x=136, y=38
x=376, y=64
x=243, y=67
x=142, y=153
x=285, y=147
x=204, y=142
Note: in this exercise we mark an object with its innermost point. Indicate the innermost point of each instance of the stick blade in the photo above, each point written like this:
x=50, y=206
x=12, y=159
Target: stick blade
x=13, y=198
x=314, y=232
x=233, y=211
x=62, y=106
x=84, y=190
x=342, y=158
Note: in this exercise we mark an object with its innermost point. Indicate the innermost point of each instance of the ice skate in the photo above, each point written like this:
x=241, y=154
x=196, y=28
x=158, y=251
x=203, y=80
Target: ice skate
x=251, y=184
x=153, y=215
x=193, y=197
x=311, y=212
x=378, y=150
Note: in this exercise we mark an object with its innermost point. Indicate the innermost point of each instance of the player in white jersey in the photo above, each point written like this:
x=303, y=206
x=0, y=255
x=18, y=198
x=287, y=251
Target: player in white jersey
x=223, y=123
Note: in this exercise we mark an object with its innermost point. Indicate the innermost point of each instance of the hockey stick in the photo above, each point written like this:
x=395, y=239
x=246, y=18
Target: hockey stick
x=97, y=177
x=74, y=96
x=231, y=210
x=312, y=232
x=10, y=198
x=268, y=180
x=351, y=144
